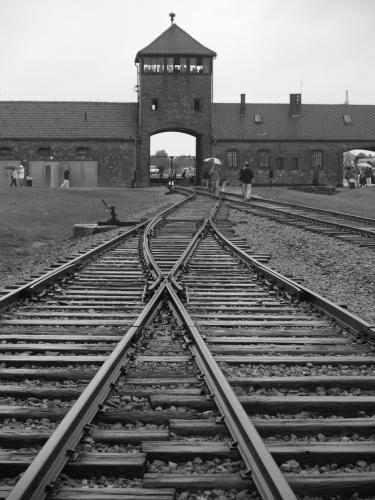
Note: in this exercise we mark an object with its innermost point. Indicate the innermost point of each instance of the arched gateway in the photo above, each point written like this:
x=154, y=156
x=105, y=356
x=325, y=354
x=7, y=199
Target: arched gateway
x=174, y=93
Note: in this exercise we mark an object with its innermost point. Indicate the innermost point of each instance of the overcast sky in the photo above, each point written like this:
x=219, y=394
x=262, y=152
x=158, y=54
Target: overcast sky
x=84, y=50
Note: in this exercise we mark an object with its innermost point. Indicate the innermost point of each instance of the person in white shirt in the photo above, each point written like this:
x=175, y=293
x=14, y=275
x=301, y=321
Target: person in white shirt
x=21, y=174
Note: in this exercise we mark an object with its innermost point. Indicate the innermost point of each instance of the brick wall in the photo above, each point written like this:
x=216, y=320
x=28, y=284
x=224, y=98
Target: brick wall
x=175, y=93
x=330, y=174
x=115, y=158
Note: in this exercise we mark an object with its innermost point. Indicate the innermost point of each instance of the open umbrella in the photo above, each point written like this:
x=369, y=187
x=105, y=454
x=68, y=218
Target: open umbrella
x=365, y=164
x=213, y=160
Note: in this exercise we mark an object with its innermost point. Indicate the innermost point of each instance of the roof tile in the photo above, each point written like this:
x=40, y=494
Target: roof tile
x=174, y=41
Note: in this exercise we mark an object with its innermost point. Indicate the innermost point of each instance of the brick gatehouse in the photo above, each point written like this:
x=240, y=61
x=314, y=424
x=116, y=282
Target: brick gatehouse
x=108, y=144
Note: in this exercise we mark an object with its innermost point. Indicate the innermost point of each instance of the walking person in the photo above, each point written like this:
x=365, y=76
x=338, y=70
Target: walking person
x=66, y=182
x=246, y=176
x=270, y=177
x=21, y=174
x=215, y=176
x=13, y=177
x=206, y=177
x=183, y=177
x=368, y=176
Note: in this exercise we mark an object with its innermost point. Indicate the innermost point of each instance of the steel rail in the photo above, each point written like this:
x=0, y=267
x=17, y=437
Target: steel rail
x=289, y=285
x=57, y=452
x=152, y=265
x=179, y=265
x=37, y=284
x=306, y=218
x=347, y=319
x=341, y=315
x=266, y=475
x=312, y=209
x=69, y=267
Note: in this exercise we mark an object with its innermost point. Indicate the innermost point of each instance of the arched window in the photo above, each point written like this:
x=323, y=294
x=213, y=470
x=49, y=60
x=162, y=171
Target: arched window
x=264, y=159
x=280, y=163
x=296, y=163
x=5, y=151
x=232, y=159
x=44, y=151
x=82, y=151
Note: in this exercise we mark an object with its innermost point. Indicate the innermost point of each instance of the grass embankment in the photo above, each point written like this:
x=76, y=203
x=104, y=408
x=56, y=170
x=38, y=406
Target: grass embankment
x=355, y=201
x=33, y=218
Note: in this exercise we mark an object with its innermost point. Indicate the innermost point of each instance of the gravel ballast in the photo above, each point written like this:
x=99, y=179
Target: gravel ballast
x=342, y=272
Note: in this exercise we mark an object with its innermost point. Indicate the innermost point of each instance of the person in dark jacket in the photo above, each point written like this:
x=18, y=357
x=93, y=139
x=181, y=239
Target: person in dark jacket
x=246, y=176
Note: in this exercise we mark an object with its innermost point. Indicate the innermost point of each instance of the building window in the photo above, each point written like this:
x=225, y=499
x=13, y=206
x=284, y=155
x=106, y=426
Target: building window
x=316, y=159
x=170, y=64
x=347, y=119
x=183, y=65
x=147, y=64
x=193, y=65
x=232, y=159
x=44, y=151
x=206, y=66
x=296, y=163
x=197, y=104
x=153, y=64
x=154, y=104
x=258, y=118
x=82, y=151
x=4, y=151
x=280, y=163
x=264, y=159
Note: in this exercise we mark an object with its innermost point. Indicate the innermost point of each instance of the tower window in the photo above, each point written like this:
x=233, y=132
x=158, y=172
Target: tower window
x=170, y=64
x=193, y=65
x=183, y=64
x=347, y=119
x=206, y=65
x=258, y=118
x=154, y=104
x=197, y=104
x=153, y=64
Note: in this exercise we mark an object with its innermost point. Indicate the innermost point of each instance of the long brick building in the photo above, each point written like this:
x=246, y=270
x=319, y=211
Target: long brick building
x=108, y=144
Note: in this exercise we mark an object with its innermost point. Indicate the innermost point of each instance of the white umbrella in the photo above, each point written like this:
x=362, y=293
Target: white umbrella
x=362, y=152
x=213, y=160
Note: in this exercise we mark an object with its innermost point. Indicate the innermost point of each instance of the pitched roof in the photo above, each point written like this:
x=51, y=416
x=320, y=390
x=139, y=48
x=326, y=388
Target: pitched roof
x=68, y=120
x=175, y=41
x=317, y=122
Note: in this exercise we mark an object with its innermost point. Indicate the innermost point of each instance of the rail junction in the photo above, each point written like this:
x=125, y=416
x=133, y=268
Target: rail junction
x=170, y=362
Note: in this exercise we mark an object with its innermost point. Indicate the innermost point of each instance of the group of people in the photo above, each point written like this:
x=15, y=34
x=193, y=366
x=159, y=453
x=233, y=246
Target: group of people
x=17, y=176
x=365, y=176
x=213, y=179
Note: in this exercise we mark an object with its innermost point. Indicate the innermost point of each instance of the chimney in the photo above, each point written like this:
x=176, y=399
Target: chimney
x=295, y=105
x=242, y=104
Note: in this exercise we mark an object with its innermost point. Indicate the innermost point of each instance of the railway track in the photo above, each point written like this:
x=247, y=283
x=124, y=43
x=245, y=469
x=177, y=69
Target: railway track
x=134, y=375
x=347, y=227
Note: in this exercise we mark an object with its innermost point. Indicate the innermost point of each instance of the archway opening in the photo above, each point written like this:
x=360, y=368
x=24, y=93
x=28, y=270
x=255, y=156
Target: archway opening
x=358, y=168
x=175, y=151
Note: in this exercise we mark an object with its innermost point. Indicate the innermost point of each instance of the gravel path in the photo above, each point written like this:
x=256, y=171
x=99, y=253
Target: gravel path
x=340, y=271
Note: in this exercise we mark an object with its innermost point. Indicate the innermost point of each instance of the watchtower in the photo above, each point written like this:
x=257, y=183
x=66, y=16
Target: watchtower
x=174, y=93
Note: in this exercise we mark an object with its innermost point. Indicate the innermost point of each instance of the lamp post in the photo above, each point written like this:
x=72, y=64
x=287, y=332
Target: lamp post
x=171, y=180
